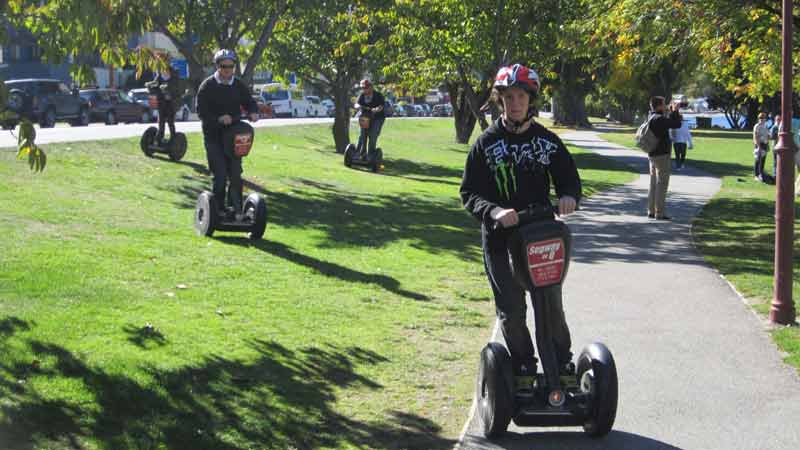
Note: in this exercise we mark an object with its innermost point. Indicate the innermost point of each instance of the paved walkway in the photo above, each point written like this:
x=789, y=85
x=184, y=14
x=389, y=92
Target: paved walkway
x=697, y=370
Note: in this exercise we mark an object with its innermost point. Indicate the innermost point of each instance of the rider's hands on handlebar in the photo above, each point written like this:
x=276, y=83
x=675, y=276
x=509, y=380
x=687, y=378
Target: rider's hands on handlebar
x=225, y=119
x=506, y=217
x=566, y=205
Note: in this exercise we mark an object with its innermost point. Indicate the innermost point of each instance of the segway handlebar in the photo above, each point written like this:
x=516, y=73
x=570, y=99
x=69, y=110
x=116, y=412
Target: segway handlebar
x=533, y=213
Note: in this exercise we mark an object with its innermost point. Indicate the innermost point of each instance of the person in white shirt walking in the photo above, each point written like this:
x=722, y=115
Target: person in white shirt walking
x=681, y=140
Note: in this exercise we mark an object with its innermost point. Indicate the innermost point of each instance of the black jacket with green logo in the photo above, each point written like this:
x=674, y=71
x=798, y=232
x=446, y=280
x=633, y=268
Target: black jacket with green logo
x=515, y=170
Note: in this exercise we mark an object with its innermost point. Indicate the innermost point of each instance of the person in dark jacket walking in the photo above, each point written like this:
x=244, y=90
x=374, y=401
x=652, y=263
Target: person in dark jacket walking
x=660, y=124
x=510, y=167
x=166, y=83
x=220, y=100
x=370, y=103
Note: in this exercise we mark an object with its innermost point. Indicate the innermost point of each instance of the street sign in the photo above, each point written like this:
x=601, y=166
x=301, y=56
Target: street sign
x=181, y=66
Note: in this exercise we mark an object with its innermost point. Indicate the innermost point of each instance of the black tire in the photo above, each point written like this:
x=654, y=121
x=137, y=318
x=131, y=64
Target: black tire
x=597, y=373
x=111, y=118
x=148, y=139
x=83, y=118
x=495, y=390
x=256, y=207
x=349, y=151
x=48, y=118
x=205, y=214
x=178, y=147
x=16, y=101
x=377, y=160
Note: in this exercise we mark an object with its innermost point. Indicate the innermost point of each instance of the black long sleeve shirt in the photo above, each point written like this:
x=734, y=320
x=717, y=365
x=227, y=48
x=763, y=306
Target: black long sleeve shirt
x=660, y=124
x=215, y=100
x=515, y=170
x=376, y=100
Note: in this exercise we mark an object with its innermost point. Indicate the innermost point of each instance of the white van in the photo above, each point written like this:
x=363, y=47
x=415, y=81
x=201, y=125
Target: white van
x=316, y=108
x=286, y=102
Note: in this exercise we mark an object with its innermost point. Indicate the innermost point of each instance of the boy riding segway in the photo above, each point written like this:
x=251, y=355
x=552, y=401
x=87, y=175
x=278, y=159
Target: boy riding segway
x=220, y=101
x=163, y=90
x=506, y=186
x=370, y=120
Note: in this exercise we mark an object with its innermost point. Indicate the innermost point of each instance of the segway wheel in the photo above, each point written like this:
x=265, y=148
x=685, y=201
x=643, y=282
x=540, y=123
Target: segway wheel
x=495, y=390
x=205, y=214
x=177, y=147
x=597, y=374
x=148, y=139
x=256, y=207
x=349, y=152
x=377, y=160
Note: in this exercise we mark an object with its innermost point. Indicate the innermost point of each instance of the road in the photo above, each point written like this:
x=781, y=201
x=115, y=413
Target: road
x=98, y=131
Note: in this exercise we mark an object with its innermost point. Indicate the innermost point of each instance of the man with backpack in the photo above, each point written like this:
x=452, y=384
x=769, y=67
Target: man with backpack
x=653, y=137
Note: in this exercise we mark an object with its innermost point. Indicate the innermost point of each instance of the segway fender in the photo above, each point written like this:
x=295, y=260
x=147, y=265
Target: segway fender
x=495, y=392
x=258, y=205
x=177, y=147
x=205, y=215
x=603, y=386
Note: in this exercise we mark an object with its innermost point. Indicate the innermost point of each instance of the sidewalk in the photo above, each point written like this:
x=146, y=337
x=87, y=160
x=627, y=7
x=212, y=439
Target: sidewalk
x=697, y=370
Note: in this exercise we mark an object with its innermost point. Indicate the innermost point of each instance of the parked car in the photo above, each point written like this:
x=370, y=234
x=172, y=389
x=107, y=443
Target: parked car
x=286, y=101
x=400, y=110
x=419, y=111
x=330, y=107
x=141, y=96
x=47, y=101
x=388, y=109
x=112, y=106
x=264, y=109
x=442, y=110
x=427, y=109
x=315, y=106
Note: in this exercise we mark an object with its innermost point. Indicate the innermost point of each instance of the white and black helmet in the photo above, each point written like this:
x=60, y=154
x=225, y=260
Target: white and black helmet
x=224, y=54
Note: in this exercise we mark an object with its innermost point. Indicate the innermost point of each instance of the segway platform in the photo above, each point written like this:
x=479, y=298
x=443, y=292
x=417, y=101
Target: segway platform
x=353, y=157
x=252, y=220
x=175, y=148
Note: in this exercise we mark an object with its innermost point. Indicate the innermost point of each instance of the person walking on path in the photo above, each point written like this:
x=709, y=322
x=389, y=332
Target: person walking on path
x=774, y=130
x=660, y=124
x=760, y=147
x=681, y=140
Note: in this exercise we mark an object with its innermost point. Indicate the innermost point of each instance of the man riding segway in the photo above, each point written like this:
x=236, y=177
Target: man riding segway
x=220, y=100
x=165, y=86
x=370, y=120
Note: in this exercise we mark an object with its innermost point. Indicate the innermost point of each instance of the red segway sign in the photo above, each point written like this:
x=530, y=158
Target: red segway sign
x=242, y=144
x=546, y=261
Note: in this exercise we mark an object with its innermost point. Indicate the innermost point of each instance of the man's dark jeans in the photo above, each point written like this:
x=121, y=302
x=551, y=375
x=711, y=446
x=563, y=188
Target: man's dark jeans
x=225, y=170
x=510, y=306
x=372, y=134
x=166, y=115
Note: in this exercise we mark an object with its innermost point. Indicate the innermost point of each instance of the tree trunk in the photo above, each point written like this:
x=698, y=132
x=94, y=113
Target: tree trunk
x=463, y=117
x=341, y=122
x=569, y=107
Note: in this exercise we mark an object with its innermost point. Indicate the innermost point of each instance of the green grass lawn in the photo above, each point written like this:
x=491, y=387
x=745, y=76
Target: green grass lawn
x=355, y=323
x=736, y=230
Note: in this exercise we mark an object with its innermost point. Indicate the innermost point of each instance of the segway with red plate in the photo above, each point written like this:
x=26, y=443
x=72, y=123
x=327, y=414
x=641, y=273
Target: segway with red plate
x=252, y=219
x=584, y=395
x=354, y=156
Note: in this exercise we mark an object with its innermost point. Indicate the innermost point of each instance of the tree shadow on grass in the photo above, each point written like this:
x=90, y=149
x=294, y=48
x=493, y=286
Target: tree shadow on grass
x=145, y=336
x=325, y=268
x=423, y=172
x=279, y=398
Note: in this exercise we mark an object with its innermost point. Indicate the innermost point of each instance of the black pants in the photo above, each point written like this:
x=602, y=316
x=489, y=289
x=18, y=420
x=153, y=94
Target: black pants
x=509, y=300
x=680, y=154
x=226, y=171
x=369, y=136
x=166, y=115
x=759, y=160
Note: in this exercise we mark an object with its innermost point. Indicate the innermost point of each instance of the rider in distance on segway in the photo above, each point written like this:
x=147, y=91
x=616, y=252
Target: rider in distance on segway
x=370, y=120
x=165, y=86
x=220, y=100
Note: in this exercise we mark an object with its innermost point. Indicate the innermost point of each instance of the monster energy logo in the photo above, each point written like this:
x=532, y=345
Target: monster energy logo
x=503, y=172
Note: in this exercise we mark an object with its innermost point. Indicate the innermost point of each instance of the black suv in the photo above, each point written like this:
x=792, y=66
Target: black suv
x=47, y=101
